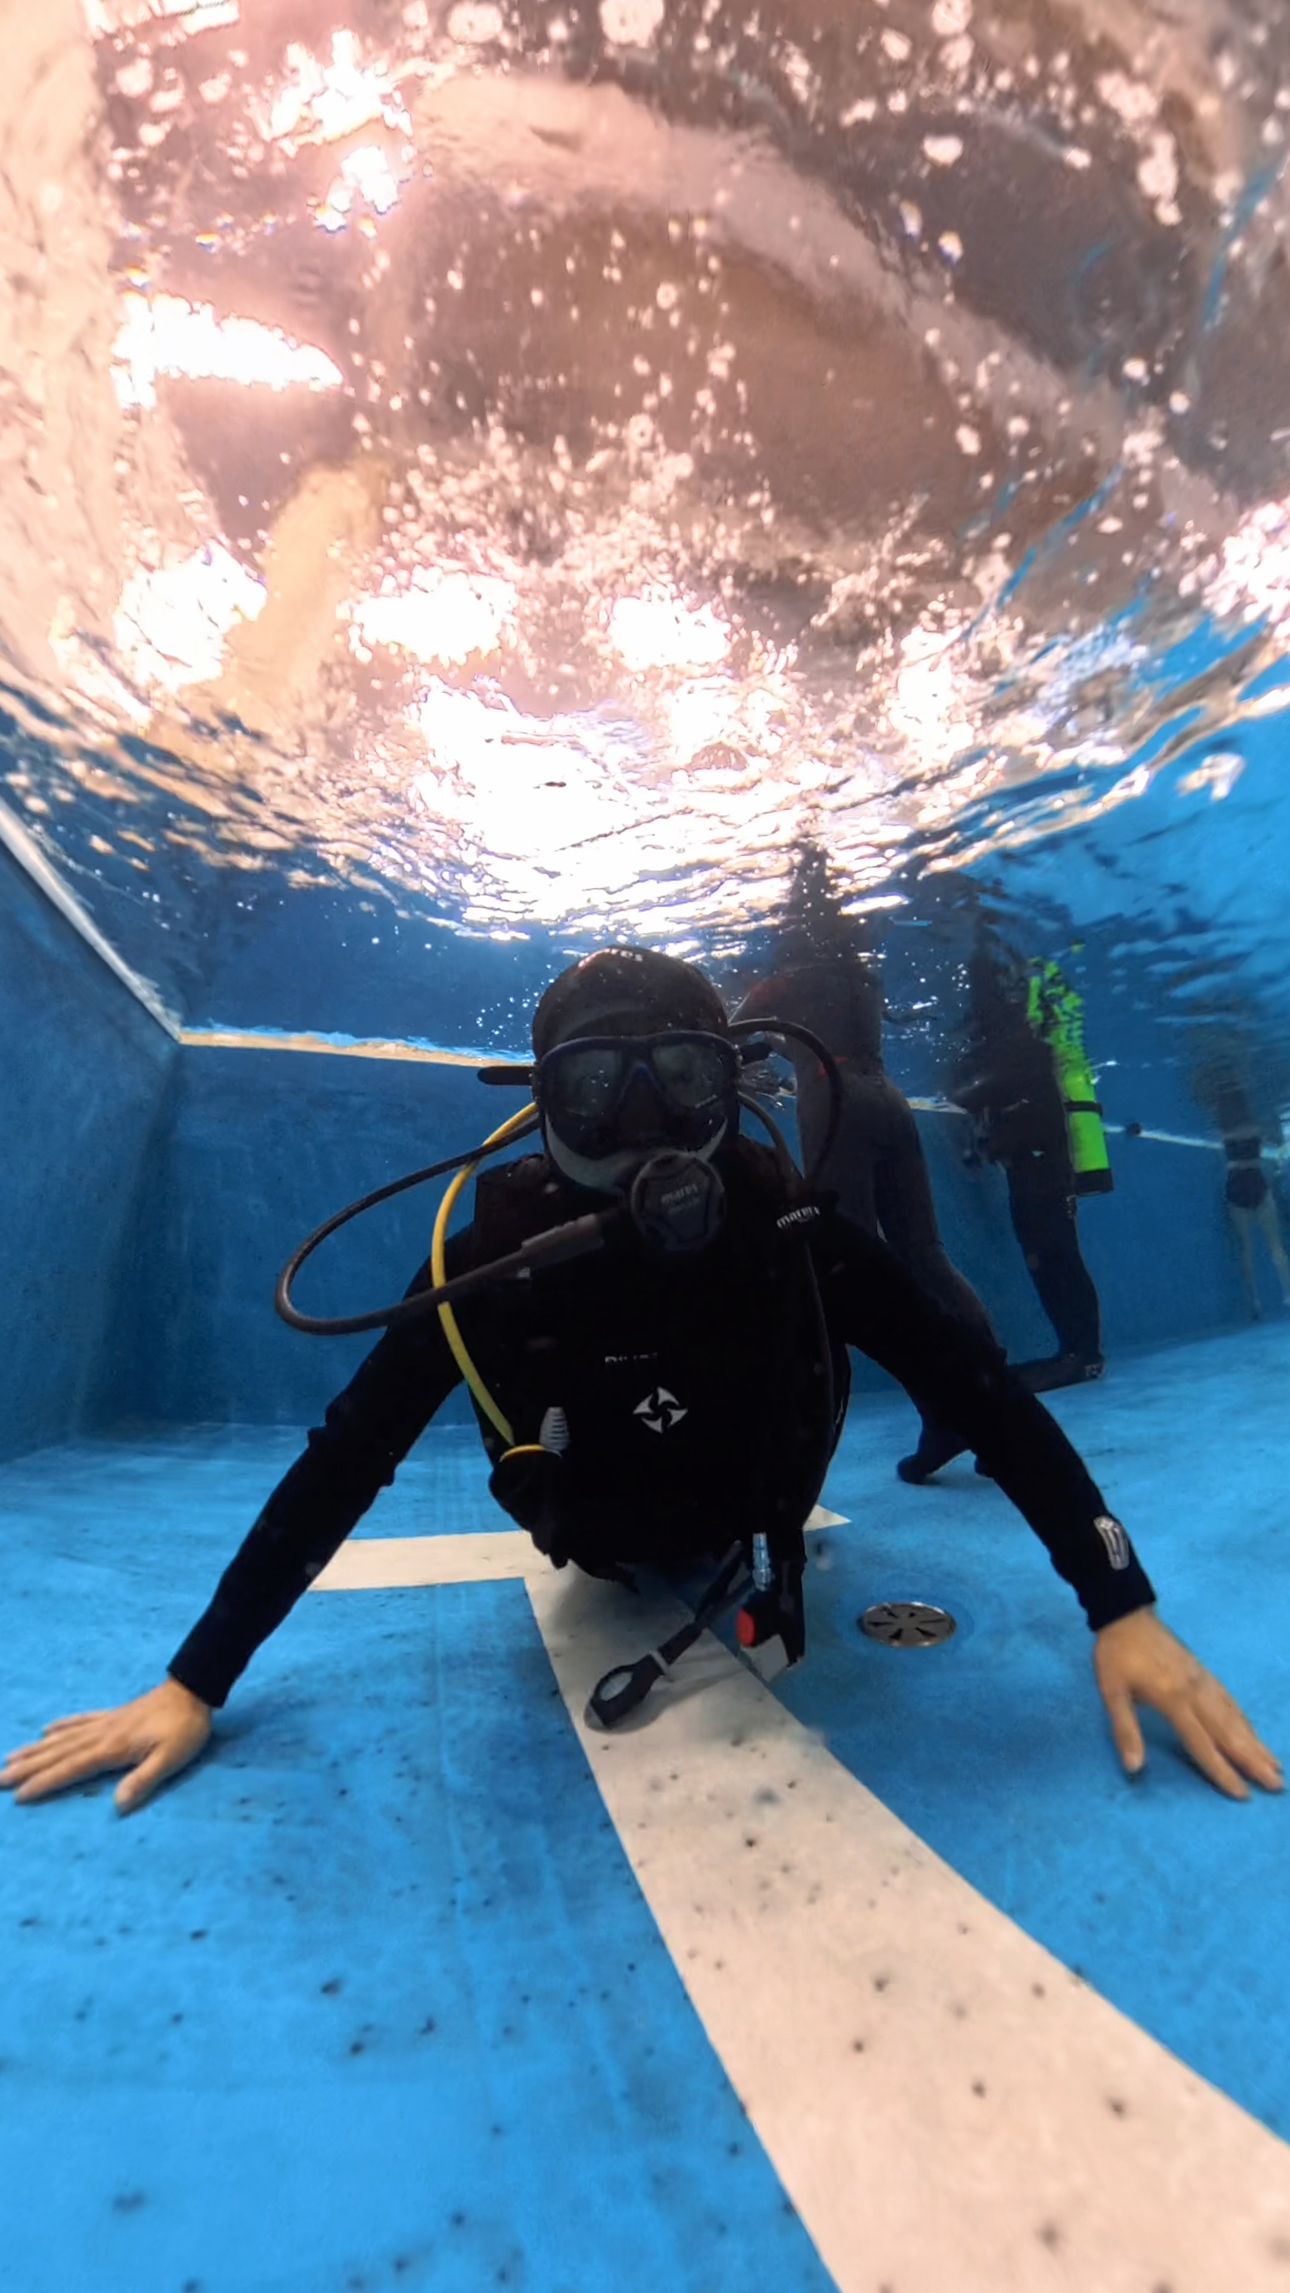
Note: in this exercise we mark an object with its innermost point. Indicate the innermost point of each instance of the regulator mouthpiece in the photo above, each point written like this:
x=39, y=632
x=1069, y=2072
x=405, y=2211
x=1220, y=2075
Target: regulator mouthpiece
x=677, y=1203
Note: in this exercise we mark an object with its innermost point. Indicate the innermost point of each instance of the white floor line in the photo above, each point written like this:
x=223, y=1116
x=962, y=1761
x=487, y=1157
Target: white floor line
x=948, y=2107
x=378, y=1564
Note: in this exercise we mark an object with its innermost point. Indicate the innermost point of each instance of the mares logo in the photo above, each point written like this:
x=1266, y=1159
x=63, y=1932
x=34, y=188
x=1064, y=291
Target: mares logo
x=806, y=1216
x=661, y=1410
x=1115, y=1540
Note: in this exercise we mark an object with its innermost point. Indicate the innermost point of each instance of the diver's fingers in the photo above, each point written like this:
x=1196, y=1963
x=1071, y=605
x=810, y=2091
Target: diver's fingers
x=53, y=1748
x=40, y=1777
x=1219, y=1714
x=1251, y=1755
x=1198, y=1739
x=157, y=1733
x=164, y=1760
x=1234, y=1735
x=55, y=1728
x=1125, y=1729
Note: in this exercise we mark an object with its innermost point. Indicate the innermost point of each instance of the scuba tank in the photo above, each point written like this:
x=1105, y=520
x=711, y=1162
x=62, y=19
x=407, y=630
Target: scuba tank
x=1056, y=1013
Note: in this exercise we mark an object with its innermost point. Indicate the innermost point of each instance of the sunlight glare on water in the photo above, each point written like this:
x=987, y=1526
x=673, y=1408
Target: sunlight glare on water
x=531, y=468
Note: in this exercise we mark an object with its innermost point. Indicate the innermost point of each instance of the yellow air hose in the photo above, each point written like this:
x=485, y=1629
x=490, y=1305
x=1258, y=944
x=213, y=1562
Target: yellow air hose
x=438, y=1272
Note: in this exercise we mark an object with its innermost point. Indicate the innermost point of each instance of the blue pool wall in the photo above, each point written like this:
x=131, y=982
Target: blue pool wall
x=262, y=1145
x=84, y=1078
x=1158, y=1248
x=151, y=1192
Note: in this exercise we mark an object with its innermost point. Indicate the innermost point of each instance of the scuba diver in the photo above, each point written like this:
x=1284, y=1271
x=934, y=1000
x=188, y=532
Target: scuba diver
x=875, y=1169
x=652, y=1315
x=1251, y=1203
x=1025, y=1082
x=1234, y=1071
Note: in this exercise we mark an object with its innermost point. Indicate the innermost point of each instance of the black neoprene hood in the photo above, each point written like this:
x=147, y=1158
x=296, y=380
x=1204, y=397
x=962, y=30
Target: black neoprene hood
x=626, y=991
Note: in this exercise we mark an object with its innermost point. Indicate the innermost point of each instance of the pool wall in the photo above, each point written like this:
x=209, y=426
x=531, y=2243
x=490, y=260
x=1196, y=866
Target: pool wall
x=151, y=1192
x=83, y=1090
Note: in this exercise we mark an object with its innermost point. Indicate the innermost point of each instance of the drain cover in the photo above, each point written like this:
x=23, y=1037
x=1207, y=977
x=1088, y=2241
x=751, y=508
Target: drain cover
x=907, y=1624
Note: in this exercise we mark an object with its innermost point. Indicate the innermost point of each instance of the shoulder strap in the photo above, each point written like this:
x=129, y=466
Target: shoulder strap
x=515, y=1200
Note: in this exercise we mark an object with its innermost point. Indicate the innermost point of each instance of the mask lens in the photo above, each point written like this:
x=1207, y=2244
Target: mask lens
x=602, y=1097
x=586, y=1082
x=693, y=1075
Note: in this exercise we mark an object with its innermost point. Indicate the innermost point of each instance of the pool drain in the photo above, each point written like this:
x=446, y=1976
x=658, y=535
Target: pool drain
x=907, y=1624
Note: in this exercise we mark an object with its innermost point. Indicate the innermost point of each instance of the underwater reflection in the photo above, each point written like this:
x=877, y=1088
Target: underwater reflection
x=552, y=464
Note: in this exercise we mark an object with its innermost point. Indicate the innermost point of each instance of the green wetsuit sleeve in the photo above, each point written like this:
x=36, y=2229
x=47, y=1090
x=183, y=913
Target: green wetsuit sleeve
x=962, y=1379
x=349, y=1459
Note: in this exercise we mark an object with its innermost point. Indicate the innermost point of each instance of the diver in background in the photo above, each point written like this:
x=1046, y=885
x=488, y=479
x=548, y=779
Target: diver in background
x=1025, y=1082
x=648, y=1401
x=827, y=980
x=1240, y=1080
x=1251, y=1203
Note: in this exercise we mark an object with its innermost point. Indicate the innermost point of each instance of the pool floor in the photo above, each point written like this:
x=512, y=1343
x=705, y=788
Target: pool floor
x=413, y=1983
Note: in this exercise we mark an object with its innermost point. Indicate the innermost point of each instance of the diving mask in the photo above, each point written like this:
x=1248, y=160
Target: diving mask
x=607, y=1101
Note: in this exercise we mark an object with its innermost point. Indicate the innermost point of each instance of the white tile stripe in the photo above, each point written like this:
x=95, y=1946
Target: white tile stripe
x=380, y=1564
x=948, y=2107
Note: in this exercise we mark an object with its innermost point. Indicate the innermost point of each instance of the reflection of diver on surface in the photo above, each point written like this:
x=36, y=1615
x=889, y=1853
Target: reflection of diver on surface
x=876, y=1169
x=1025, y=1081
x=674, y=1387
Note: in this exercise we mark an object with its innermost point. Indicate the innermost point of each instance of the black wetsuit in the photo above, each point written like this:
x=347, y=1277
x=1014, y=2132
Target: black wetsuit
x=876, y=1169
x=1246, y=1187
x=1011, y=1090
x=702, y=1399
x=1247, y=1182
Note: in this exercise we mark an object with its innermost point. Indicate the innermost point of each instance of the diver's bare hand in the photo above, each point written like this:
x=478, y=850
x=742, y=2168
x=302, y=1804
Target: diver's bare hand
x=153, y=1737
x=1137, y=1660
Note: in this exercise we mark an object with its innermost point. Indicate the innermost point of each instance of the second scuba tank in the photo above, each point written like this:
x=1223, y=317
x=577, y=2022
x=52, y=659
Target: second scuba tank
x=1056, y=1013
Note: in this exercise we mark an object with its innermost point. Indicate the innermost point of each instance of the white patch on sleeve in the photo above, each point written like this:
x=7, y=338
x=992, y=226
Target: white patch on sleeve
x=1115, y=1540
